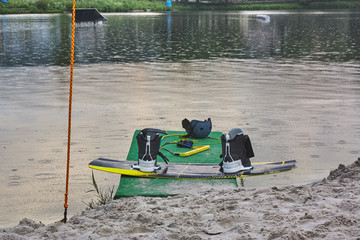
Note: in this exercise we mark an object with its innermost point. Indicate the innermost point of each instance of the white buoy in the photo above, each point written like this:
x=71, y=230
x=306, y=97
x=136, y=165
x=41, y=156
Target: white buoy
x=265, y=18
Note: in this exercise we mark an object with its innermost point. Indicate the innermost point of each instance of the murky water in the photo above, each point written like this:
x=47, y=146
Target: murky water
x=292, y=84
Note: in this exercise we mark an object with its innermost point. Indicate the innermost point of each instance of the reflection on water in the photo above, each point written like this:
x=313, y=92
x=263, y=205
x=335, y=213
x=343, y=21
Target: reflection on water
x=38, y=40
x=31, y=40
x=294, y=89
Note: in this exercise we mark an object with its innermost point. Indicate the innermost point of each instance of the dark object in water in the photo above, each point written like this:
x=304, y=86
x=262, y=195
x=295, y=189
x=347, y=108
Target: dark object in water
x=88, y=15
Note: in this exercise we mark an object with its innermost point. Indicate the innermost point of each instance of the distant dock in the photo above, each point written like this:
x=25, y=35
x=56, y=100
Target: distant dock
x=88, y=15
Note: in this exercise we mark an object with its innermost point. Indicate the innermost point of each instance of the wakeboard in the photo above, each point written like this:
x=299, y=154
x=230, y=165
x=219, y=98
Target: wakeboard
x=189, y=170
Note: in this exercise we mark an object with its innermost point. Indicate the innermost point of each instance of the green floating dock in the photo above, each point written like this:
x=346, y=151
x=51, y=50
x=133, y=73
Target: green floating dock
x=133, y=186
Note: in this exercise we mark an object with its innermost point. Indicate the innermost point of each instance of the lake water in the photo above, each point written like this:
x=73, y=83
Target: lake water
x=292, y=84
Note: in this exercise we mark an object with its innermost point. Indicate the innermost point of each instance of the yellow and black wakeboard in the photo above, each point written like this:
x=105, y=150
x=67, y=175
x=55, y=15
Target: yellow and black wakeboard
x=189, y=170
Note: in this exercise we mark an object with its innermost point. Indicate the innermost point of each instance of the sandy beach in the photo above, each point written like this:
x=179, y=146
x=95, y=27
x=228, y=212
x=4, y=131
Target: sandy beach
x=329, y=209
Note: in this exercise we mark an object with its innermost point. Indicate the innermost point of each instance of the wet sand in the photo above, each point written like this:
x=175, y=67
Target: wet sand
x=328, y=209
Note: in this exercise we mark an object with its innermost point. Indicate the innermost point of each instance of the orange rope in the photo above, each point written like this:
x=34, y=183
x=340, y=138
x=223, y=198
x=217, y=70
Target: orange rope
x=70, y=108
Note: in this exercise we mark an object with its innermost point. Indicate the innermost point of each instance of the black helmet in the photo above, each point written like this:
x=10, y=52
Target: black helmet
x=197, y=129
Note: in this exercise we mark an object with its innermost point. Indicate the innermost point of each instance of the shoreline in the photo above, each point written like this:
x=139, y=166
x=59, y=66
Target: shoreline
x=327, y=209
x=51, y=6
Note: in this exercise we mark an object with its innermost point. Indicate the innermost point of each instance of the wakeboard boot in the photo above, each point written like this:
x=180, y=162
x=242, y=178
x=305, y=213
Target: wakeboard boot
x=236, y=151
x=148, y=149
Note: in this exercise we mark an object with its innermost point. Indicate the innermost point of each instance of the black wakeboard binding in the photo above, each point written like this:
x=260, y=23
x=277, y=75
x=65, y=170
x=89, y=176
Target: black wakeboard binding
x=236, y=151
x=148, y=141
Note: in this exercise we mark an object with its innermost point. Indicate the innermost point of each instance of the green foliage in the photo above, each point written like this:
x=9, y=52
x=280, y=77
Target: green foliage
x=335, y=5
x=64, y=5
x=68, y=6
x=303, y=2
x=103, y=197
x=242, y=182
x=42, y=4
